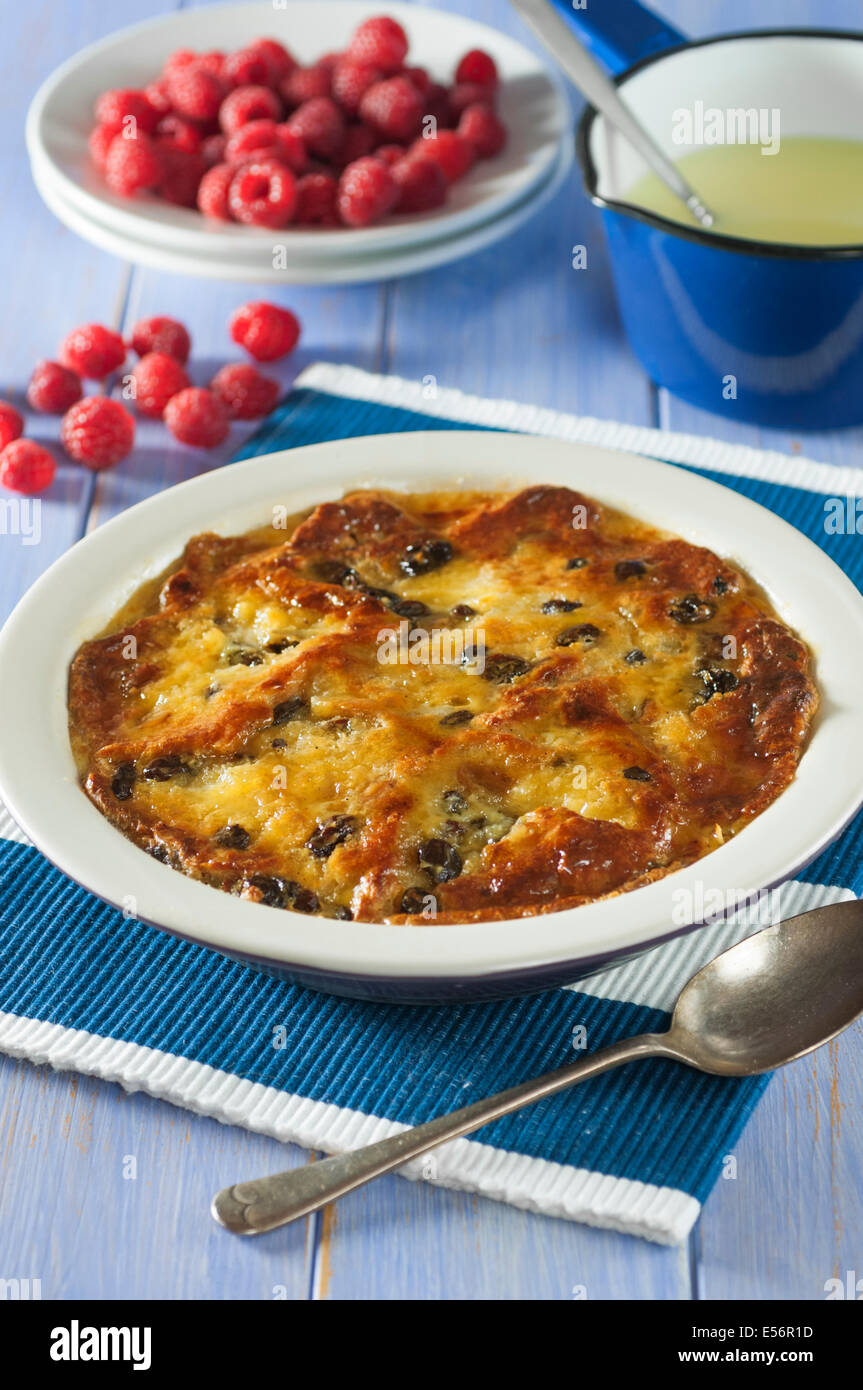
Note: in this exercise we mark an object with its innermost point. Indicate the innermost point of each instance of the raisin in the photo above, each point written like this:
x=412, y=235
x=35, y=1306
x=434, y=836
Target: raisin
x=343, y=914
x=585, y=633
x=272, y=890
x=122, y=781
x=636, y=774
x=426, y=556
x=159, y=852
x=164, y=768
x=334, y=572
x=629, y=569
x=330, y=835
x=409, y=608
x=691, y=609
x=233, y=837
x=635, y=658
x=463, y=610
x=302, y=899
x=717, y=680
x=504, y=669
x=244, y=656
x=442, y=860
x=577, y=562
x=414, y=901
x=561, y=605
x=288, y=709
x=454, y=801
x=278, y=743
x=456, y=717
x=281, y=645
x=720, y=585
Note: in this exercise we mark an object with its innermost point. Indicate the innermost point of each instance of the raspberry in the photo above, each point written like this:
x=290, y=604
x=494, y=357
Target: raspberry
x=265, y=139
x=157, y=377
x=11, y=424
x=197, y=417
x=247, y=67
x=100, y=140
x=93, y=351
x=304, y=84
x=279, y=61
x=451, y=151
x=380, y=41
x=213, y=150
x=126, y=109
x=53, y=389
x=367, y=192
x=482, y=128
x=437, y=106
x=180, y=132
x=316, y=201
x=26, y=466
x=157, y=95
x=350, y=81
x=244, y=392
x=213, y=62
x=195, y=92
x=465, y=94
x=248, y=104
x=421, y=183
x=265, y=330
x=394, y=107
x=132, y=165
x=390, y=154
x=213, y=192
x=320, y=125
x=420, y=79
x=181, y=174
x=97, y=432
x=292, y=148
x=180, y=58
x=263, y=194
x=359, y=140
x=161, y=334
x=477, y=66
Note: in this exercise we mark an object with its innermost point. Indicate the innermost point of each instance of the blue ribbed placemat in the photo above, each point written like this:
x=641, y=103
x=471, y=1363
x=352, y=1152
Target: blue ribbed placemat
x=637, y=1149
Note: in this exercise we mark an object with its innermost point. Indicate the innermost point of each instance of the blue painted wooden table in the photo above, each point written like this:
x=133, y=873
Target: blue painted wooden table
x=514, y=321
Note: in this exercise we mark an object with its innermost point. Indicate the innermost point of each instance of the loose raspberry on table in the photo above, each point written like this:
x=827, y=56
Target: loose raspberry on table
x=263, y=193
x=394, y=107
x=93, y=351
x=213, y=150
x=265, y=330
x=381, y=41
x=246, y=104
x=244, y=392
x=465, y=94
x=351, y=80
x=181, y=174
x=484, y=130
x=422, y=184
x=359, y=139
x=161, y=334
x=128, y=109
x=155, y=379
x=304, y=84
x=179, y=131
x=197, y=417
x=451, y=151
x=316, y=201
x=97, y=432
x=280, y=62
x=477, y=66
x=367, y=192
x=53, y=388
x=11, y=424
x=320, y=125
x=26, y=466
x=390, y=154
x=247, y=67
x=133, y=165
x=213, y=192
x=100, y=139
x=196, y=93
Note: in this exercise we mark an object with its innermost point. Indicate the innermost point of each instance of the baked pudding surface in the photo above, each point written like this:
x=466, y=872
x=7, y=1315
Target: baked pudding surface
x=440, y=707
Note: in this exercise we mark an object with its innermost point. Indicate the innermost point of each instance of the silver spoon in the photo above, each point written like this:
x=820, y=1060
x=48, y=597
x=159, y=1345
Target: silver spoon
x=768, y=1000
x=592, y=82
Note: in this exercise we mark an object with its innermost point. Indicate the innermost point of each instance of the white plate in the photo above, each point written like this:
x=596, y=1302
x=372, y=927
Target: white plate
x=533, y=103
x=257, y=265
x=82, y=590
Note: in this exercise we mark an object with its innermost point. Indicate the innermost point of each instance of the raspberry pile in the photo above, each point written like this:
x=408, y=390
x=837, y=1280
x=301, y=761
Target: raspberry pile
x=98, y=431
x=256, y=138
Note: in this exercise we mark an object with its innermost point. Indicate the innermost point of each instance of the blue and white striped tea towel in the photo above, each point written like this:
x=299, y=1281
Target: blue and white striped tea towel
x=636, y=1150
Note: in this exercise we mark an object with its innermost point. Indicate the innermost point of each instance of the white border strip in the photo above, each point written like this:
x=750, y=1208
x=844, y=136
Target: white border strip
x=704, y=452
x=661, y=1214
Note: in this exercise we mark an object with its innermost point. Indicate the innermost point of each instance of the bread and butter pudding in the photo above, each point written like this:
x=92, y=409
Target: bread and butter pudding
x=444, y=707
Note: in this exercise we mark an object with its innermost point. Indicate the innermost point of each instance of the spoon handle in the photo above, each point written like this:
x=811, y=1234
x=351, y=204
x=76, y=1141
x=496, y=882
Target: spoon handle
x=265, y=1203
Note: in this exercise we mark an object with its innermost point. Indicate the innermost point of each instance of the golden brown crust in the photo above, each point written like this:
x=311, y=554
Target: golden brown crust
x=573, y=704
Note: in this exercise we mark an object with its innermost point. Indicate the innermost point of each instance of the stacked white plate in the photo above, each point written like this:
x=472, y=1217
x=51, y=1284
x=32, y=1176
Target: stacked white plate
x=489, y=203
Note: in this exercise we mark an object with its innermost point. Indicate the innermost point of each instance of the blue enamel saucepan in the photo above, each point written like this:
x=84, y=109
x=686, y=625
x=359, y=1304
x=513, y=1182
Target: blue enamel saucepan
x=766, y=331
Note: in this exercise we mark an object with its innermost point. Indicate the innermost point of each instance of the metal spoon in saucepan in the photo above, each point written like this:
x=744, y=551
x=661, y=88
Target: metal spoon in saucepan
x=601, y=92
x=764, y=1002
